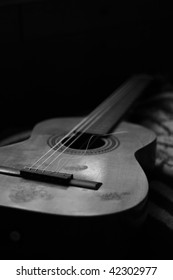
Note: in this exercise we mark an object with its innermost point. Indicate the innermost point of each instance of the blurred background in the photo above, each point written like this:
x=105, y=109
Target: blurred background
x=61, y=58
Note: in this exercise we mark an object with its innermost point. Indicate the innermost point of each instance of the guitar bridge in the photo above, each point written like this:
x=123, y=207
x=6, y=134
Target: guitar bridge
x=50, y=177
x=57, y=178
x=46, y=176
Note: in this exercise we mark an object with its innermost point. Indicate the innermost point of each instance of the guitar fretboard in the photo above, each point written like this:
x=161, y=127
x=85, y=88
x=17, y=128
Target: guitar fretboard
x=108, y=113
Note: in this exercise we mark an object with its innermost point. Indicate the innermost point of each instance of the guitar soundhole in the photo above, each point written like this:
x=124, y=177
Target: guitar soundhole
x=87, y=143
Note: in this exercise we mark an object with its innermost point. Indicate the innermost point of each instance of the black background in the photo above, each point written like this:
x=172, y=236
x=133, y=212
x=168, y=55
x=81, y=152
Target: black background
x=60, y=58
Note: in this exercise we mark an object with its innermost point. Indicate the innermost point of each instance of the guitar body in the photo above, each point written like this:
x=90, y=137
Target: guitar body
x=117, y=162
x=74, y=190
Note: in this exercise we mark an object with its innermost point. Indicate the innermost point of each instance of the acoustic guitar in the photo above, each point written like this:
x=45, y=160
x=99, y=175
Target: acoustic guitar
x=85, y=167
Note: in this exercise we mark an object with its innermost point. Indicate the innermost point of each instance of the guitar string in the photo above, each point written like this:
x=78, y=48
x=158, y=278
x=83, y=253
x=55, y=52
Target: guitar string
x=124, y=95
x=82, y=123
x=62, y=145
x=91, y=118
x=106, y=109
x=74, y=129
x=123, y=87
x=68, y=160
x=57, y=143
x=108, y=100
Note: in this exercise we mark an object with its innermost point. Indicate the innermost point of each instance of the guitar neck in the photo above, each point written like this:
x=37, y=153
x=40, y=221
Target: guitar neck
x=108, y=113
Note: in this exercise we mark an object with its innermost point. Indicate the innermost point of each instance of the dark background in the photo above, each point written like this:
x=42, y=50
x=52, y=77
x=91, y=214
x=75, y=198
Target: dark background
x=60, y=58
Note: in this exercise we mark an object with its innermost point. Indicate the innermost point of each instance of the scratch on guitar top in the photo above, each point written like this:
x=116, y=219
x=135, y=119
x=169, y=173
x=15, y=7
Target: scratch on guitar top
x=113, y=195
x=27, y=194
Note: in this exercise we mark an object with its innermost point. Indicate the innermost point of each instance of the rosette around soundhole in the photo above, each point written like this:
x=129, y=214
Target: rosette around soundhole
x=93, y=144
